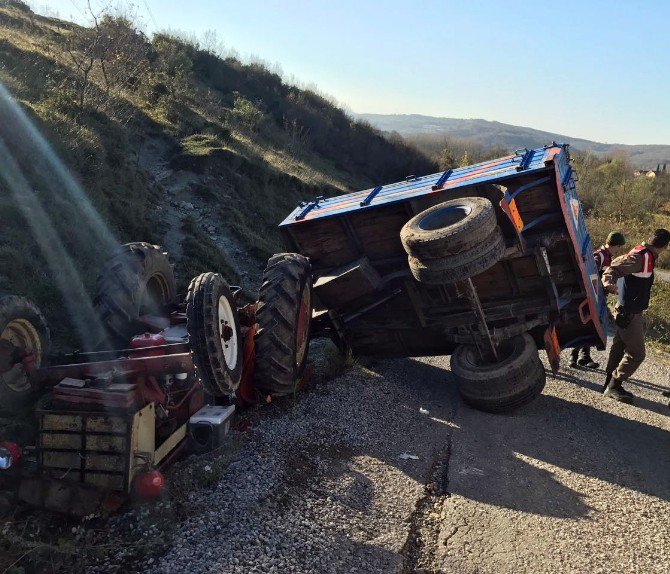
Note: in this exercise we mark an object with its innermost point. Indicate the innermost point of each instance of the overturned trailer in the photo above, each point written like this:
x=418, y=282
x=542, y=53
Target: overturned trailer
x=486, y=263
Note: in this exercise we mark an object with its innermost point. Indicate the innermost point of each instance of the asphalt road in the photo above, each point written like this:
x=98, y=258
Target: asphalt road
x=385, y=470
x=572, y=483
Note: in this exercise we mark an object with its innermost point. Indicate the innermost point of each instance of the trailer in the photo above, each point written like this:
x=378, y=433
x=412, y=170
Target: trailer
x=487, y=263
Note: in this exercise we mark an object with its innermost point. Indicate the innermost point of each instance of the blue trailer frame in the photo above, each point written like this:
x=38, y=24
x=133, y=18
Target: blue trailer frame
x=523, y=173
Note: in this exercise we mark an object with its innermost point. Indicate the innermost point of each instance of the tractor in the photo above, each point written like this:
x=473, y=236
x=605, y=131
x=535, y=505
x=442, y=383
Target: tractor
x=116, y=416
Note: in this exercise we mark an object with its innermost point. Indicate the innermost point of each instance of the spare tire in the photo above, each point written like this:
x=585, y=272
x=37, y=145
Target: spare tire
x=136, y=280
x=461, y=265
x=23, y=330
x=214, y=333
x=284, y=316
x=448, y=227
x=496, y=386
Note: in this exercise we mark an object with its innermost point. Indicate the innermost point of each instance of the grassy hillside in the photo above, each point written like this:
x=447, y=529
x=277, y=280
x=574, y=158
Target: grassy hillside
x=170, y=144
x=428, y=132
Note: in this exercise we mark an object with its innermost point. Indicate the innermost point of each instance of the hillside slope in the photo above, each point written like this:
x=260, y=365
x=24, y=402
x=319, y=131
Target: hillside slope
x=494, y=134
x=170, y=144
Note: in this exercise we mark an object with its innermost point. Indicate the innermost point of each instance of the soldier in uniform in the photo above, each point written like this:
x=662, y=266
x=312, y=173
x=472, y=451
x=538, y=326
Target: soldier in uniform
x=631, y=277
x=614, y=246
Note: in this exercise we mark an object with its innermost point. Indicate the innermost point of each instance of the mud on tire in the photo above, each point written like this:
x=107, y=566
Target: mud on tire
x=448, y=227
x=137, y=279
x=284, y=316
x=23, y=329
x=515, y=380
x=214, y=333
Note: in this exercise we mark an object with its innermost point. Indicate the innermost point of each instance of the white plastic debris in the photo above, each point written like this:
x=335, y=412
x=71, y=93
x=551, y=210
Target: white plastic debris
x=424, y=411
x=406, y=456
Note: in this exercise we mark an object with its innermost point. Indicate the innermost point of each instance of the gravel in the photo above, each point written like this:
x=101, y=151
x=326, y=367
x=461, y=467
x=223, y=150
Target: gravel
x=330, y=482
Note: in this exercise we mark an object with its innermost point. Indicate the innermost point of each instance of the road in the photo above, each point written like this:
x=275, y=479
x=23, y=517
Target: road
x=384, y=469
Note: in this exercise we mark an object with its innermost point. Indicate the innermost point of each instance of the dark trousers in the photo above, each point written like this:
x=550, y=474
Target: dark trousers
x=581, y=353
x=627, y=352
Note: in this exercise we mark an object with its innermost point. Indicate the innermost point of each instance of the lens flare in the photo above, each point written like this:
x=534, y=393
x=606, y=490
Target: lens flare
x=27, y=142
x=32, y=149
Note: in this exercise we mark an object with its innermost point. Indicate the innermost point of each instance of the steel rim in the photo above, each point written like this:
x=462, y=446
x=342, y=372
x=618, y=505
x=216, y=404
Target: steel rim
x=22, y=334
x=302, y=327
x=228, y=332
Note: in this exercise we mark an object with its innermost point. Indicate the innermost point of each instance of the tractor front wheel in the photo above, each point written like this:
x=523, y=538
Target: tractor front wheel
x=214, y=333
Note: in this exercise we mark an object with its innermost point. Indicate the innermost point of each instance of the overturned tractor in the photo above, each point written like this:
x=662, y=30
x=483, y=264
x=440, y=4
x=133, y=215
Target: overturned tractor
x=116, y=416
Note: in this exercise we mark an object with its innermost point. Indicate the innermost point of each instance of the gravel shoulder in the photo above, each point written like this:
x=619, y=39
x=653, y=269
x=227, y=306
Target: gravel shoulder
x=384, y=469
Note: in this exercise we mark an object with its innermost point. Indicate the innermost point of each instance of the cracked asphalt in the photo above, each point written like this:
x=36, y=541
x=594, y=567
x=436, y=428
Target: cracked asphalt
x=573, y=482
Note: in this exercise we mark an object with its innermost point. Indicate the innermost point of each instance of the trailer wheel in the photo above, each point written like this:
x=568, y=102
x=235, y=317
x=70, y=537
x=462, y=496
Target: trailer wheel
x=516, y=379
x=214, y=333
x=137, y=280
x=448, y=227
x=284, y=318
x=462, y=265
x=23, y=329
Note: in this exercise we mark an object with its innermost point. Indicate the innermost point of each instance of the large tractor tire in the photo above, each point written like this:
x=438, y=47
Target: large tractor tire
x=459, y=266
x=214, y=333
x=497, y=386
x=284, y=317
x=137, y=280
x=449, y=228
x=23, y=330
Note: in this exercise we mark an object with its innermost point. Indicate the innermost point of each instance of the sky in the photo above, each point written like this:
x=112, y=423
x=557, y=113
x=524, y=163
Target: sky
x=593, y=69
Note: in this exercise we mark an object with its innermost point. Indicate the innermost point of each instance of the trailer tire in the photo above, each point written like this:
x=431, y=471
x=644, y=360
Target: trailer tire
x=284, y=317
x=22, y=327
x=449, y=227
x=214, y=333
x=499, y=386
x=462, y=265
x=137, y=279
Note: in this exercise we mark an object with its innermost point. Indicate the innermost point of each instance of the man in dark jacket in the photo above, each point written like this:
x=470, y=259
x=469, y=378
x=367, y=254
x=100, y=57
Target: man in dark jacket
x=631, y=277
x=614, y=247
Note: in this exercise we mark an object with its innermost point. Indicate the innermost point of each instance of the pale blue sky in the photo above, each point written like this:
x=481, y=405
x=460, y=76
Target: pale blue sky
x=594, y=69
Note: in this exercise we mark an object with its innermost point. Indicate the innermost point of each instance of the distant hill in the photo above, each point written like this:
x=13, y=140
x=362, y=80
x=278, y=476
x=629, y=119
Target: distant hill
x=491, y=134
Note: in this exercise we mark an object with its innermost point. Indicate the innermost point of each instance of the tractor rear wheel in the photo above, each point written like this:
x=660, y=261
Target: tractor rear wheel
x=214, y=333
x=137, y=280
x=284, y=316
x=497, y=386
x=23, y=330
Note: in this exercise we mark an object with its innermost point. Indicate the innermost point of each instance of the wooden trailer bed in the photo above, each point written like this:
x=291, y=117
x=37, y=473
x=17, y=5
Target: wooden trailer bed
x=546, y=284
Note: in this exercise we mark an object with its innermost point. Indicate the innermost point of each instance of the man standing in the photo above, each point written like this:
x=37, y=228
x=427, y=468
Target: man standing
x=614, y=246
x=636, y=271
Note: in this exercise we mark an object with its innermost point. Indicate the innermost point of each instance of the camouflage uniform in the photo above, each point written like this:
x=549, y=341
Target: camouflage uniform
x=636, y=272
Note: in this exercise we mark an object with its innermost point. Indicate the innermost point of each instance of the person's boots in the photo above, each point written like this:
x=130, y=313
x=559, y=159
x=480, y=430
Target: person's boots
x=585, y=359
x=574, y=357
x=615, y=391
